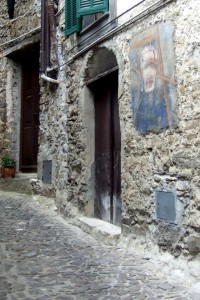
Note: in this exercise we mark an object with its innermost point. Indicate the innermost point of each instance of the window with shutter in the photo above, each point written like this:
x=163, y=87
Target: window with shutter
x=72, y=23
x=86, y=7
x=76, y=9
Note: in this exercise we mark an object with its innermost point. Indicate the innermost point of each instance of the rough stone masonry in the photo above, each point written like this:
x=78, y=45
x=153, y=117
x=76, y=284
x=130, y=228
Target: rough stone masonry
x=156, y=163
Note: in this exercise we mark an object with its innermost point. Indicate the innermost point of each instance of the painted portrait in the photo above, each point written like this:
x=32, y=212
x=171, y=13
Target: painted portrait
x=153, y=87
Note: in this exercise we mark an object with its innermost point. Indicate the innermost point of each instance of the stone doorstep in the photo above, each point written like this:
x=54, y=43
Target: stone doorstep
x=104, y=231
x=20, y=183
x=20, y=175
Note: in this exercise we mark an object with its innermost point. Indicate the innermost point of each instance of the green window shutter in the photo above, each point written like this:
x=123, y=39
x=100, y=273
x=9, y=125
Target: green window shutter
x=72, y=24
x=86, y=7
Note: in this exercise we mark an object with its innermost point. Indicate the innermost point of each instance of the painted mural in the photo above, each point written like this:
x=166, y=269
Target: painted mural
x=153, y=87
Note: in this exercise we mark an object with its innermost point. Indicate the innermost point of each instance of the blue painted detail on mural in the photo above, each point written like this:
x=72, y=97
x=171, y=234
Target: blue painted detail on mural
x=153, y=88
x=151, y=113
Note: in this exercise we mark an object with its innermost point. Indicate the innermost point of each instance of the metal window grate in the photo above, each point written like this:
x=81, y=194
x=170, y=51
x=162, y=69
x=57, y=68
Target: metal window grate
x=166, y=206
x=47, y=171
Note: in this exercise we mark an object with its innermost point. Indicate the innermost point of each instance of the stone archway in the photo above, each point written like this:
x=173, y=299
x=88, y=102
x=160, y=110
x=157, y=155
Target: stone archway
x=102, y=62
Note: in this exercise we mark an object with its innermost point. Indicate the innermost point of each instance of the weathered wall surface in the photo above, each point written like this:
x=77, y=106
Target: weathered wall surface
x=167, y=160
x=3, y=18
x=26, y=18
x=12, y=33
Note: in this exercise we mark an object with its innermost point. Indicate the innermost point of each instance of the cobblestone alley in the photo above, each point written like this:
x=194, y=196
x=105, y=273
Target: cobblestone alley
x=44, y=257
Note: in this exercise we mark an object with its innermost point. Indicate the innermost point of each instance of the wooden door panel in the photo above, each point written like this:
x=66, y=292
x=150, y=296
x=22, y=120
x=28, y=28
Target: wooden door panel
x=116, y=150
x=102, y=153
x=107, y=150
x=117, y=188
x=102, y=186
x=28, y=147
x=29, y=112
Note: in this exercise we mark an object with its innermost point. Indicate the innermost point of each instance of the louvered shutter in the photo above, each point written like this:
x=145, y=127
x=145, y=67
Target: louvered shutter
x=71, y=21
x=86, y=7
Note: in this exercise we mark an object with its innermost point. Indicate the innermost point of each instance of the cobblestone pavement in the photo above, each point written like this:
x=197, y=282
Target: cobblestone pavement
x=44, y=257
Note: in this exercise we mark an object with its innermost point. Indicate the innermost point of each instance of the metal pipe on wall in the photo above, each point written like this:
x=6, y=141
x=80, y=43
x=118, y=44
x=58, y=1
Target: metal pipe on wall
x=49, y=79
x=47, y=38
x=47, y=18
x=52, y=26
x=42, y=46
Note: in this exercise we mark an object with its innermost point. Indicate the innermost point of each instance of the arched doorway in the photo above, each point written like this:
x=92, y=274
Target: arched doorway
x=102, y=80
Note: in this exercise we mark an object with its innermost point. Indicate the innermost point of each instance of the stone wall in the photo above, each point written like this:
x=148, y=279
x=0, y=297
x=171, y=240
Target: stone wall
x=9, y=109
x=13, y=33
x=167, y=160
x=2, y=106
x=26, y=18
x=3, y=17
x=174, y=154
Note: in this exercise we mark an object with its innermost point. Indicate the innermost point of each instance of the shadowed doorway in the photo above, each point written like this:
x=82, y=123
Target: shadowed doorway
x=107, y=150
x=29, y=111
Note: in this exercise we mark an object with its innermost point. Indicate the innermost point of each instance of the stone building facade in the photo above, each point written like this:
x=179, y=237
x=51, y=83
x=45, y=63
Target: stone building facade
x=136, y=166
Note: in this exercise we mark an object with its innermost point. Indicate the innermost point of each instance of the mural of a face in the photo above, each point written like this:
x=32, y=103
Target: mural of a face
x=148, y=68
x=153, y=86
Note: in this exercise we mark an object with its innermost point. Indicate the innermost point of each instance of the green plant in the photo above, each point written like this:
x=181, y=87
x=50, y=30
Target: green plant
x=7, y=162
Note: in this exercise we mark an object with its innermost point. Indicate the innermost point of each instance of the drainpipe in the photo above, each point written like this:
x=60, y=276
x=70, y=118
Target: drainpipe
x=42, y=43
x=52, y=25
x=49, y=79
x=46, y=20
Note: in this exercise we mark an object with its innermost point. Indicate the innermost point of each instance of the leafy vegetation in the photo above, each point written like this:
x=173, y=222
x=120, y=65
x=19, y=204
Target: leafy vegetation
x=7, y=162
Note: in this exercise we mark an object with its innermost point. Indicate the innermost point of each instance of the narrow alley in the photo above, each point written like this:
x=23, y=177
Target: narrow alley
x=44, y=257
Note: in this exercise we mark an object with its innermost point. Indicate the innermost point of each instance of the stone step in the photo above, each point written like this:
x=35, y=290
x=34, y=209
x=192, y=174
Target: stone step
x=20, y=184
x=103, y=231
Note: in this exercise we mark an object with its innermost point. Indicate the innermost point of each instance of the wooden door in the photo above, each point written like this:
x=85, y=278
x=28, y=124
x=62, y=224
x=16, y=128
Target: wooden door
x=107, y=150
x=29, y=112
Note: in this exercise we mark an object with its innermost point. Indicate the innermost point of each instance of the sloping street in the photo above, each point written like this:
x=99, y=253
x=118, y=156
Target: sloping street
x=44, y=257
